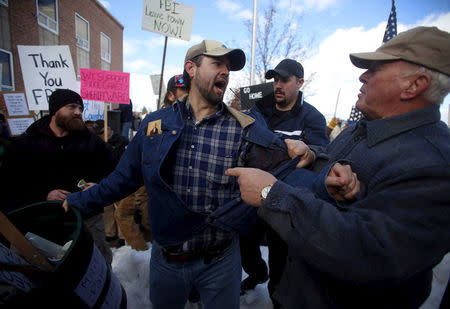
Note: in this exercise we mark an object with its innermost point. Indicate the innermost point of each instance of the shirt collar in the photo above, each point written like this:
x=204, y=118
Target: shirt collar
x=381, y=129
x=243, y=119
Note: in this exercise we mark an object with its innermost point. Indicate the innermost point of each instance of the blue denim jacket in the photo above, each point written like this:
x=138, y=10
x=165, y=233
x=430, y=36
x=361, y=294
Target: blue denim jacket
x=171, y=220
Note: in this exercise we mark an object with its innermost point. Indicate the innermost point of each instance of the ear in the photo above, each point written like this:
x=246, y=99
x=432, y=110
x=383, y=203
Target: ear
x=417, y=86
x=300, y=82
x=190, y=66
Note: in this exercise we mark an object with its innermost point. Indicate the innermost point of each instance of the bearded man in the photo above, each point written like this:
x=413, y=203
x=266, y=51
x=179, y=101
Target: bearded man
x=289, y=115
x=51, y=157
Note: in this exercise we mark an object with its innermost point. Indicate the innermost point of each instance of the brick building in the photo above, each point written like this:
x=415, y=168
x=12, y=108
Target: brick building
x=94, y=36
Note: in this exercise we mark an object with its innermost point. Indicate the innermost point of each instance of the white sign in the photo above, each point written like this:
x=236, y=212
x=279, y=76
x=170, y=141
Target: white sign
x=45, y=69
x=169, y=18
x=93, y=110
x=18, y=125
x=16, y=104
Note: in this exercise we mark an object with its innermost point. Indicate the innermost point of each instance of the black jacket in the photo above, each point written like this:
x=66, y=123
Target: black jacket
x=302, y=122
x=38, y=162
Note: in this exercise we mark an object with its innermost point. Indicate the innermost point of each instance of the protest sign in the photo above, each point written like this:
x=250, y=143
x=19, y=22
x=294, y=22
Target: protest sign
x=45, y=69
x=93, y=110
x=251, y=94
x=14, y=107
x=16, y=104
x=18, y=126
x=169, y=18
x=106, y=86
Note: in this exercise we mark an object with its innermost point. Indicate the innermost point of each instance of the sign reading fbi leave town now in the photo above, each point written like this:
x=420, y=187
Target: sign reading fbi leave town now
x=106, y=86
x=44, y=69
x=169, y=18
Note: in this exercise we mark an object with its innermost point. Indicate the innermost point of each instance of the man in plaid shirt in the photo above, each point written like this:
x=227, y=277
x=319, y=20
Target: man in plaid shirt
x=181, y=154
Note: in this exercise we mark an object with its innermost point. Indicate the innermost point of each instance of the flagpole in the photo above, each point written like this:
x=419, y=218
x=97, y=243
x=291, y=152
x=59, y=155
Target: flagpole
x=337, y=101
x=252, y=62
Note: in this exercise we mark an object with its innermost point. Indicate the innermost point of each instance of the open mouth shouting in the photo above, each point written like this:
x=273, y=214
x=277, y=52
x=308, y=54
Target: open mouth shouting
x=220, y=86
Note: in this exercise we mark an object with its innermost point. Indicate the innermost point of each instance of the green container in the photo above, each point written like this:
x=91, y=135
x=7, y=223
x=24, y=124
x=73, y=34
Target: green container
x=82, y=278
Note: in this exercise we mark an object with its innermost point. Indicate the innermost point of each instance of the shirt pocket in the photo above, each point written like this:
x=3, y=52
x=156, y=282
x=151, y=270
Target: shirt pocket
x=156, y=145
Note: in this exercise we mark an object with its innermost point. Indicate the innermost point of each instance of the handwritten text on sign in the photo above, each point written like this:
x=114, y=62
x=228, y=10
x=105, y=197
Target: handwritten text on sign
x=169, y=18
x=45, y=69
x=106, y=86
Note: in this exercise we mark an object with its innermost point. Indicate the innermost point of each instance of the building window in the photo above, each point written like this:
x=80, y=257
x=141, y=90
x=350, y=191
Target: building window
x=82, y=42
x=47, y=37
x=5, y=38
x=105, y=49
x=6, y=70
x=48, y=14
x=82, y=32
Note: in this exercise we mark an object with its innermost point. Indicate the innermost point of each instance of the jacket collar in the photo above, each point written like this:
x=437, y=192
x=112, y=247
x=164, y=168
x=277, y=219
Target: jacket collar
x=382, y=129
x=243, y=119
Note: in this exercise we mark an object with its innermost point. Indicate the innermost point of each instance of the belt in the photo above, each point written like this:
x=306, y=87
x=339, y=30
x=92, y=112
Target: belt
x=206, y=254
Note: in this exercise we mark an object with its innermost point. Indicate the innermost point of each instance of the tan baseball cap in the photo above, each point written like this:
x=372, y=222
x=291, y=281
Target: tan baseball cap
x=217, y=49
x=426, y=46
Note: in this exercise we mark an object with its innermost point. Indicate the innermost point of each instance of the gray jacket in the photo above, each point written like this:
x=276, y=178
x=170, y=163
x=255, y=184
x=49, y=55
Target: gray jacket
x=379, y=250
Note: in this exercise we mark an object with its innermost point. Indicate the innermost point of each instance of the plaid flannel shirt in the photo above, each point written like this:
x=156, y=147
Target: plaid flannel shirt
x=205, y=150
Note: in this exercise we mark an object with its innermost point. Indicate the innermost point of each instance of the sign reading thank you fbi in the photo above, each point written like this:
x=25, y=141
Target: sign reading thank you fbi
x=45, y=69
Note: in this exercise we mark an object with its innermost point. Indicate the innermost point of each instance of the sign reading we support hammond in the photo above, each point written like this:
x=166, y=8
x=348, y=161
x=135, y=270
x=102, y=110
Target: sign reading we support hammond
x=45, y=69
x=106, y=86
x=168, y=17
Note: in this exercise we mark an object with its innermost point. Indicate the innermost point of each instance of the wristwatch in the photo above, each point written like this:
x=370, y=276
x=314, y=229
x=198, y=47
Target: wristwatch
x=265, y=191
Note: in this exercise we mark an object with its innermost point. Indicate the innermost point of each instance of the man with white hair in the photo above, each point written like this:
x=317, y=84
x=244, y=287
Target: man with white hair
x=379, y=250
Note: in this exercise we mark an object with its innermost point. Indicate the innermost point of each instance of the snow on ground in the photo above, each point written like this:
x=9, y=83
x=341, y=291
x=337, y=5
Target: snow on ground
x=132, y=269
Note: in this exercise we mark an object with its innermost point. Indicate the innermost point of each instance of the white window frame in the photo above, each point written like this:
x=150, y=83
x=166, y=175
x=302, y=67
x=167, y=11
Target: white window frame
x=81, y=42
x=11, y=69
x=48, y=19
x=105, y=57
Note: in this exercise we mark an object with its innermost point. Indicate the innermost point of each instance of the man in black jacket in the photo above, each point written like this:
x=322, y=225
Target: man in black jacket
x=287, y=114
x=51, y=157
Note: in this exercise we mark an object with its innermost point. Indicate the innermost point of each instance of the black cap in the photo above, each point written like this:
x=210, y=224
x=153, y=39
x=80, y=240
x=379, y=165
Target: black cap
x=176, y=81
x=62, y=97
x=286, y=68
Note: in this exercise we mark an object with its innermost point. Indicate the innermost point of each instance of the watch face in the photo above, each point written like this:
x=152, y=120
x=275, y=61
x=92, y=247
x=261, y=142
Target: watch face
x=265, y=191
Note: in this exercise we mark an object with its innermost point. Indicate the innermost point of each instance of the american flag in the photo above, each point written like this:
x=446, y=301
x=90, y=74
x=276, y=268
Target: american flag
x=391, y=27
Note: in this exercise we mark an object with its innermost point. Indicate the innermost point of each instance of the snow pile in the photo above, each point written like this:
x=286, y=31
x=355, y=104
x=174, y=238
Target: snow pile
x=132, y=269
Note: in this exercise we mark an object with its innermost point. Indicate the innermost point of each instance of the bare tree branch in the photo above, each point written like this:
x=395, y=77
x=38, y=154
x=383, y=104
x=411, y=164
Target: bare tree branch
x=277, y=37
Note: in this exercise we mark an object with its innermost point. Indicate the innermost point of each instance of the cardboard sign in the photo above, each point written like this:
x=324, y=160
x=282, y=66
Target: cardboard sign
x=251, y=94
x=45, y=69
x=16, y=104
x=18, y=126
x=169, y=18
x=93, y=110
x=106, y=86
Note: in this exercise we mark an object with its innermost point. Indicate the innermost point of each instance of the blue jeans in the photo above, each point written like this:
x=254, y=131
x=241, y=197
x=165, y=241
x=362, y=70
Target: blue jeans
x=217, y=282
